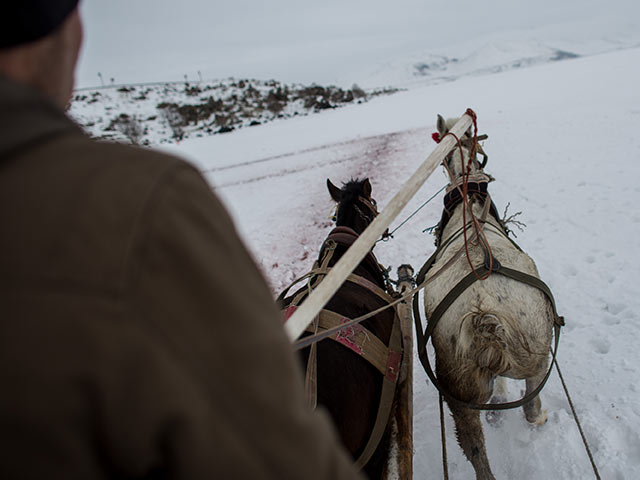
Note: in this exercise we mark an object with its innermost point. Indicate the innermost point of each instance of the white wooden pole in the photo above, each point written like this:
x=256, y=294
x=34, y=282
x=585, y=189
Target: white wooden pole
x=312, y=305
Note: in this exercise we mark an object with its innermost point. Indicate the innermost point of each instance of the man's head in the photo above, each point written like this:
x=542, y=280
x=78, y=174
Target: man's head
x=39, y=45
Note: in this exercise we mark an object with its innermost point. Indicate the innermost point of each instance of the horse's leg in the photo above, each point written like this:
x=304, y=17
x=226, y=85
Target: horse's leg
x=500, y=391
x=533, y=410
x=476, y=388
x=471, y=440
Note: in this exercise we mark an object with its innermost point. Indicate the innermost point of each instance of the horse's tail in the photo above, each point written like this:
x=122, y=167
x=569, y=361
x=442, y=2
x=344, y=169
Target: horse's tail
x=486, y=338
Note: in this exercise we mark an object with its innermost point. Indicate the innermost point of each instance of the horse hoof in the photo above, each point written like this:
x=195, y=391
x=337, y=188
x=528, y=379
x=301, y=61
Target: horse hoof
x=495, y=417
x=539, y=420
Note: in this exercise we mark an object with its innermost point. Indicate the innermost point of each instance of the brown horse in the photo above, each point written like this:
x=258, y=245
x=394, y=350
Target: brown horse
x=339, y=378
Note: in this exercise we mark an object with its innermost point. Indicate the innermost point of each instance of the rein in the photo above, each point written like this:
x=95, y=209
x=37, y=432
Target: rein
x=462, y=186
x=491, y=265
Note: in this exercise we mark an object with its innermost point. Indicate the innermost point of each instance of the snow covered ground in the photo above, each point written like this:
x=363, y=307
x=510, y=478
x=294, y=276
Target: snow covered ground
x=564, y=149
x=555, y=86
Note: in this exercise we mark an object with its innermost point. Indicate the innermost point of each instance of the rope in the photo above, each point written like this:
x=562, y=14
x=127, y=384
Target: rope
x=474, y=149
x=386, y=236
x=306, y=341
x=575, y=416
x=445, y=464
x=463, y=191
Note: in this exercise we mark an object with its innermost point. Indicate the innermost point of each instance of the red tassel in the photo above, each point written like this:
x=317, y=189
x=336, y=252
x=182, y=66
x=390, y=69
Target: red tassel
x=436, y=137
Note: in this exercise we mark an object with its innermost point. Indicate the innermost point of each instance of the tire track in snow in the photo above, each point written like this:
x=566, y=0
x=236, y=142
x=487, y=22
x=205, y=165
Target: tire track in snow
x=372, y=150
x=308, y=150
x=304, y=216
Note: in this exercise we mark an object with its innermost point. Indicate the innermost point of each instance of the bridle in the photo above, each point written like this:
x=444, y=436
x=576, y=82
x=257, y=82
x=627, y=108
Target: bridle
x=372, y=207
x=468, y=142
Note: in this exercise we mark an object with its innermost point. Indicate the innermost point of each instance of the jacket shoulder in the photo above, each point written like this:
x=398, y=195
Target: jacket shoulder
x=80, y=205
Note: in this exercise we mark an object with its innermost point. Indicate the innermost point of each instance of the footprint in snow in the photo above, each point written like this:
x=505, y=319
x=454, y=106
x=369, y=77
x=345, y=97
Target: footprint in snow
x=590, y=259
x=601, y=345
x=624, y=441
x=570, y=270
x=614, y=308
x=612, y=320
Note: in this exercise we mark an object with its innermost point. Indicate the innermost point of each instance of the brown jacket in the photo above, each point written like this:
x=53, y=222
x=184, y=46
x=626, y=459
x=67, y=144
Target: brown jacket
x=137, y=337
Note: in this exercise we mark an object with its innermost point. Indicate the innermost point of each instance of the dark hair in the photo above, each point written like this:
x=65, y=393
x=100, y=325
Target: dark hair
x=24, y=21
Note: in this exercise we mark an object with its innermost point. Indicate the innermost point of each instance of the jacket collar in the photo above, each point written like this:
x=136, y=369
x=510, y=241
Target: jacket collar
x=27, y=118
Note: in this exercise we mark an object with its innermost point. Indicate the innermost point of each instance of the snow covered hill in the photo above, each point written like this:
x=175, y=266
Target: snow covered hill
x=157, y=113
x=564, y=149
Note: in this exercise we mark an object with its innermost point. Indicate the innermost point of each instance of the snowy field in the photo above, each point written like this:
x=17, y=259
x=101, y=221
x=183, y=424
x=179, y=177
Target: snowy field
x=555, y=86
x=564, y=149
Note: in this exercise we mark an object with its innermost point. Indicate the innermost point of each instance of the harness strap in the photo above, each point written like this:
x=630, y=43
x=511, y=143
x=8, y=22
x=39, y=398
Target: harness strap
x=369, y=285
x=457, y=290
x=448, y=300
x=453, y=198
x=356, y=338
x=360, y=340
x=394, y=359
x=317, y=273
x=346, y=236
x=311, y=375
x=386, y=359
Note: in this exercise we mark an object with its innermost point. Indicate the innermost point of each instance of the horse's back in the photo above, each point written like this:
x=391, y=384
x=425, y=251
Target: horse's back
x=498, y=313
x=348, y=386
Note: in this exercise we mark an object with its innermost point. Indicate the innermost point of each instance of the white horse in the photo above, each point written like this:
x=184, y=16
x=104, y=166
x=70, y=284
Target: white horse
x=497, y=327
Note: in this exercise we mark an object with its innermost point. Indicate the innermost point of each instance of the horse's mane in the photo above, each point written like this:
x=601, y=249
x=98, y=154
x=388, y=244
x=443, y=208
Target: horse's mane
x=349, y=194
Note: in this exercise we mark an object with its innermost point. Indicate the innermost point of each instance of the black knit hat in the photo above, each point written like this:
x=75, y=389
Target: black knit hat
x=24, y=21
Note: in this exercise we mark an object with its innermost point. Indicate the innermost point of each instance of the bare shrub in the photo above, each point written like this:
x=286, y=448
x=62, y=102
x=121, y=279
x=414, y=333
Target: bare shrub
x=129, y=126
x=173, y=117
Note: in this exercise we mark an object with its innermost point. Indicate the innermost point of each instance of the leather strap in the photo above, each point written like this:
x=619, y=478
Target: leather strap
x=357, y=338
x=394, y=359
x=311, y=375
x=386, y=359
x=345, y=236
x=457, y=290
x=448, y=300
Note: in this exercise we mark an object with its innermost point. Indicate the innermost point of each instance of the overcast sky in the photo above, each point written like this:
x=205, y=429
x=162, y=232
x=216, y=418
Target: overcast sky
x=298, y=40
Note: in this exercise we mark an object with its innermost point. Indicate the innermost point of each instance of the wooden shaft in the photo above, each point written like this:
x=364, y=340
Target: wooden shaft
x=401, y=467
x=315, y=302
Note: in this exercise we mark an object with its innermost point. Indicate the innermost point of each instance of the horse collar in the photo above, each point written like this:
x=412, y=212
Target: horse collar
x=344, y=230
x=453, y=198
x=346, y=236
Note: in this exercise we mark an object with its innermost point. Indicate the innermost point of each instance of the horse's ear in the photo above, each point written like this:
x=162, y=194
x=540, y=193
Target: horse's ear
x=442, y=129
x=334, y=191
x=366, y=188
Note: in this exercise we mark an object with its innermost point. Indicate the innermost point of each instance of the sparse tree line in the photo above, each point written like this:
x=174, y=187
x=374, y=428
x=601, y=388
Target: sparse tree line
x=221, y=107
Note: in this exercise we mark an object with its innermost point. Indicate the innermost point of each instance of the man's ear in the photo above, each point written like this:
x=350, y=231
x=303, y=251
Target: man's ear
x=334, y=191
